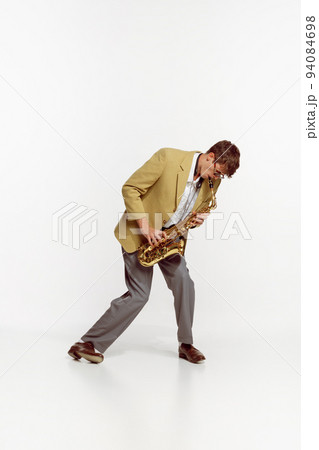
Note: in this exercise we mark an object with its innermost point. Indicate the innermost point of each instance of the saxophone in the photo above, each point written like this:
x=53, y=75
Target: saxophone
x=148, y=255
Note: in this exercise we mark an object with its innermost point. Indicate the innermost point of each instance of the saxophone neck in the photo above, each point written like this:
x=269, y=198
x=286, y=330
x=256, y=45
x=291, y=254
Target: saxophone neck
x=212, y=203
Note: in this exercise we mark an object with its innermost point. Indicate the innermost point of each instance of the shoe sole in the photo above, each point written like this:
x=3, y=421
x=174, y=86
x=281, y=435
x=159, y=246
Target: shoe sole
x=91, y=358
x=74, y=355
x=182, y=355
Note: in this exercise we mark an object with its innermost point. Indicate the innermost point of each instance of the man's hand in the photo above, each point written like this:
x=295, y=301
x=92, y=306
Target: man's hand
x=198, y=218
x=152, y=235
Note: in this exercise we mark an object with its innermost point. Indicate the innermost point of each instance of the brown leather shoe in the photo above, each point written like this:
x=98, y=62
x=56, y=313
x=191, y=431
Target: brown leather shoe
x=85, y=350
x=192, y=354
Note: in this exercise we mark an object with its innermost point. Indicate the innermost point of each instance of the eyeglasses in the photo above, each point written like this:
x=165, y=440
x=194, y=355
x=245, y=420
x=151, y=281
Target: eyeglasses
x=218, y=174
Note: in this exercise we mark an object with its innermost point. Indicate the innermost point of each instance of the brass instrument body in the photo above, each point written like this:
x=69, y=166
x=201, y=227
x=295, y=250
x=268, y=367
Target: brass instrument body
x=148, y=255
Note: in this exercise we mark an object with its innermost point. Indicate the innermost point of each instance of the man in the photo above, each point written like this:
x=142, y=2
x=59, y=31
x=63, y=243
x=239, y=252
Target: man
x=162, y=192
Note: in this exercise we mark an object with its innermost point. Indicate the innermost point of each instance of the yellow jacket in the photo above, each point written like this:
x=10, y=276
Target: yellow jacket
x=155, y=190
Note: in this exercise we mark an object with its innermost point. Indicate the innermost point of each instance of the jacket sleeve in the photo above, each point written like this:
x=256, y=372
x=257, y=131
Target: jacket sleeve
x=140, y=181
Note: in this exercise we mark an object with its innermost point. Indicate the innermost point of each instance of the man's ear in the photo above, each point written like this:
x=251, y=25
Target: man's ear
x=211, y=155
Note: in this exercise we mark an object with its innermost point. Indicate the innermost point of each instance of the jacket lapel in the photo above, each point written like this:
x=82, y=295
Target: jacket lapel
x=203, y=194
x=182, y=176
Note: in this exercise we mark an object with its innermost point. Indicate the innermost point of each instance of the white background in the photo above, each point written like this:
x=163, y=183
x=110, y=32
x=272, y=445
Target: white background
x=89, y=91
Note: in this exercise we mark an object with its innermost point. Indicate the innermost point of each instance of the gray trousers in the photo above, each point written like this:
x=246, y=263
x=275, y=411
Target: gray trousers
x=138, y=279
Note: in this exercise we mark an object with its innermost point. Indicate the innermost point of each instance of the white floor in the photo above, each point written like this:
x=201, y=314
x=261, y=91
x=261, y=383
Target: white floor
x=244, y=397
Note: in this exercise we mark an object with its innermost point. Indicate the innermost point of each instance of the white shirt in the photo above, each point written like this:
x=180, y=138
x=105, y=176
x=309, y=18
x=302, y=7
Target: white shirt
x=189, y=197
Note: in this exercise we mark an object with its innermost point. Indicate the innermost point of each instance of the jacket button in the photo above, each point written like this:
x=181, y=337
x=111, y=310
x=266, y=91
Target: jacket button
x=164, y=221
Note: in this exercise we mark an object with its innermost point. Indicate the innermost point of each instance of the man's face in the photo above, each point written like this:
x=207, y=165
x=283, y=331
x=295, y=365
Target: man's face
x=211, y=169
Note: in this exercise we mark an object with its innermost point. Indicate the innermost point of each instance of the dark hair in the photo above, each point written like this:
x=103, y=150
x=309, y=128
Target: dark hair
x=226, y=154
